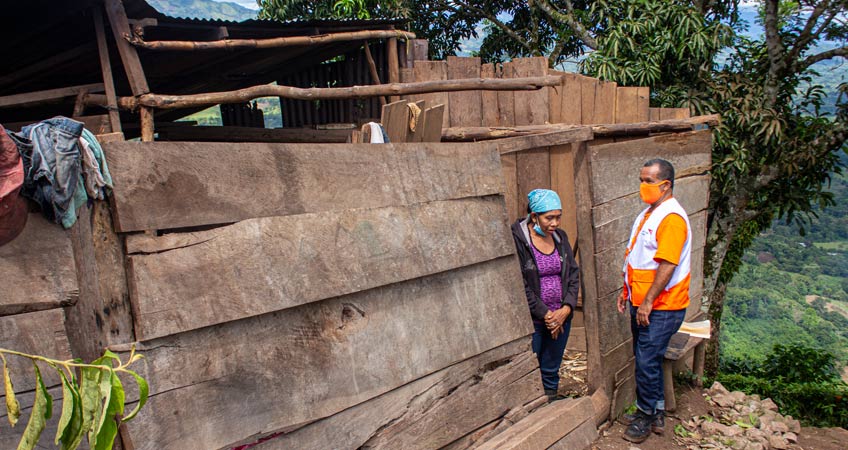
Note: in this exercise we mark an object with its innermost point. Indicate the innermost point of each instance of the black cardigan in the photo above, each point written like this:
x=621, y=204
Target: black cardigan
x=532, y=288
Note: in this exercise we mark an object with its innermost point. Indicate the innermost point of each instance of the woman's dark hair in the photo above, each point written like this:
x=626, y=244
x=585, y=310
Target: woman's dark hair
x=666, y=172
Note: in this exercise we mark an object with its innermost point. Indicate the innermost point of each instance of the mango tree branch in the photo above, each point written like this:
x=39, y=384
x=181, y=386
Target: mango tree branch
x=492, y=18
x=823, y=56
x=341, y=93
x=569, y=19
x=278, y=42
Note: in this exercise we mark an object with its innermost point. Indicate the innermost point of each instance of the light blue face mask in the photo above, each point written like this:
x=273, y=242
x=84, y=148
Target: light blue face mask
x=539, y=230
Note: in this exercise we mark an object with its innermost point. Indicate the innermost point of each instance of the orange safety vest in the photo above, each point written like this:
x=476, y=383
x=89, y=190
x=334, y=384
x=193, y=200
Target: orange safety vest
x=640, y=268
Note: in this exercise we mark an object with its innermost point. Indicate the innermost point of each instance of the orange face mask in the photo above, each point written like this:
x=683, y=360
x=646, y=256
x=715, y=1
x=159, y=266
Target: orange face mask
x=650, y=192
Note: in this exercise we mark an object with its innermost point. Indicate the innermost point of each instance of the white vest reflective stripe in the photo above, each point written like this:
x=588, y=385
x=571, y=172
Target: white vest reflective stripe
x=641, y=257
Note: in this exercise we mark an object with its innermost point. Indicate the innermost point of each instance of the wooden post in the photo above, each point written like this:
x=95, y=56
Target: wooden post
x=129, y=57
x=79, y=104
x=106, y=69
x=698, y=363
x=394, y=68
x=372, y=67
x=147, y=127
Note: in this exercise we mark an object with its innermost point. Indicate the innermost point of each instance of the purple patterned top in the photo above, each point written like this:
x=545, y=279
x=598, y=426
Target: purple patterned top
x=550, y=277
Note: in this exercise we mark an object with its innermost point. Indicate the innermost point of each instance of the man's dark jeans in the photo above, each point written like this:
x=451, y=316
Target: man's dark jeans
x=549, y=351
x=649, y=346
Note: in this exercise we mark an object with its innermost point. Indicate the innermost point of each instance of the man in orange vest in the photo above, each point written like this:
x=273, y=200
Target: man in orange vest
x=656, y=283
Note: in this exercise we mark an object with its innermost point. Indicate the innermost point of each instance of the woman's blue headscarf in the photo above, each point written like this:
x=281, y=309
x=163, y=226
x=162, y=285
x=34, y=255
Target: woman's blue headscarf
x=543, y=200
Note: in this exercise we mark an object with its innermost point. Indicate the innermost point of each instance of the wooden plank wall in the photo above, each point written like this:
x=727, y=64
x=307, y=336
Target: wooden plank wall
x=615, y=203
x=39, y=278
x=325, y=305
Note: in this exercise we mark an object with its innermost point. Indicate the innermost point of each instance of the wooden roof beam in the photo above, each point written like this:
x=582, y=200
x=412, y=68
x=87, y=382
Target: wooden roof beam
x=338, y=93
x=34, y=98
x=278, y=42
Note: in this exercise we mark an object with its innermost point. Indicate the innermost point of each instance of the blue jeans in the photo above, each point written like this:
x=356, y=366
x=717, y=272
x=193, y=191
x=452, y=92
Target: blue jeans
x=549, y=351
x=649, y=346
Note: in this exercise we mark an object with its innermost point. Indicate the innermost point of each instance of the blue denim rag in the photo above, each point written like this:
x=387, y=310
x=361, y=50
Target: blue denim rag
x=52, y=166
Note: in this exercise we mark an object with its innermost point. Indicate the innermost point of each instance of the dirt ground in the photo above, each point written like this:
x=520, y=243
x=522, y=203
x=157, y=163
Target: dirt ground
x=691, y=403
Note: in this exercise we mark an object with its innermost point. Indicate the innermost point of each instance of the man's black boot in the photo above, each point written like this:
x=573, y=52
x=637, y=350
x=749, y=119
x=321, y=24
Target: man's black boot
x=658, y=426
x=640, y=428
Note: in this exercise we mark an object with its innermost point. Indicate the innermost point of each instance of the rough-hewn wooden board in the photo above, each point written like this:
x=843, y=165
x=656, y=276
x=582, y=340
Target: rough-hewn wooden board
x=248, y=134
x=353, y=427
x=586, y=246
x=626, y=104
x=533, y=171
x=430, y=123
x=466, y=106
x=614, y=220
x=322, y=358
x=103, y=314
x=545, y=426
x=615, y=162
x=182, y=184
x=531, y=107
x=570, y=99
x=506, y=99
x=623, y=396
x=37, y=270
x=580, y=438
x=562, y=181
x=610, y=262
x=555, y=98
x=37, y=333
x=432, y=71
x=614, y=327
x=129, y=57
x=269, y=264
x=489, y=98
x=616, y=359
x=588, y=88
x=566, y=135
x=604, y=110
x=643, y=104
x=395, y=120
x=436, y=422
x=508, y=170
x=654, y=114
x=674, y=113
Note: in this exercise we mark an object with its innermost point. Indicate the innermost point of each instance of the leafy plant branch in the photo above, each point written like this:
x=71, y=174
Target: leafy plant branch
x=93, y=400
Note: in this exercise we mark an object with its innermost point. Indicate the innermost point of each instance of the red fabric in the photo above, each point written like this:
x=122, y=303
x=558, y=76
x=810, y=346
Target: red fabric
x=13, y=217
x=13, y=207
x=11, y=165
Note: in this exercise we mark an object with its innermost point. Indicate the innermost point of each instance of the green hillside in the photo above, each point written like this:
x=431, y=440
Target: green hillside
x=793, y=289
x=203, y=9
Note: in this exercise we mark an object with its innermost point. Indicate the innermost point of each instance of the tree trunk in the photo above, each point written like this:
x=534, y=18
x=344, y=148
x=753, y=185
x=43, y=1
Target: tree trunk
x=716, y=309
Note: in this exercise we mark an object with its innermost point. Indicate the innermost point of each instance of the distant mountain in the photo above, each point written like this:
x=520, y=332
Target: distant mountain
x=203, y=9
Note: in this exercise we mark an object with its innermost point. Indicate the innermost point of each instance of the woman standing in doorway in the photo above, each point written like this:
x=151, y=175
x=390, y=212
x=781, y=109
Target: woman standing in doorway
x=551, y=281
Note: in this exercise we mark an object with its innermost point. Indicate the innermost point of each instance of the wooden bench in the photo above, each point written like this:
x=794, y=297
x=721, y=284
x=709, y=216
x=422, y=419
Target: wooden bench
x=678, y=347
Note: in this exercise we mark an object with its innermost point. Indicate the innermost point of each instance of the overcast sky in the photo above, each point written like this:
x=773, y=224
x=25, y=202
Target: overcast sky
x=246, y=3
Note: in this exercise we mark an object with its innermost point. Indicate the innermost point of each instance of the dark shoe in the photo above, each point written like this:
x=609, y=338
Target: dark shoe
x=553, y=396
x=640, y=428
x=658, y=425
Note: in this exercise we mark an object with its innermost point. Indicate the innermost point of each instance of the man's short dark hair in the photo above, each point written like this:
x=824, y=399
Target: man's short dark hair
x=666, y=172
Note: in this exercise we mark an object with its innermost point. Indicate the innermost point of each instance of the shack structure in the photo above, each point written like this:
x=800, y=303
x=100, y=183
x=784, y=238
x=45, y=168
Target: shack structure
x=299, y=284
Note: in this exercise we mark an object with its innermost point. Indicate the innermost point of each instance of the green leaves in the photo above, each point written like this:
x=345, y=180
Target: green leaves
x=70, y=432
x=13, y=407
x=42, y=409
x=92, y=408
